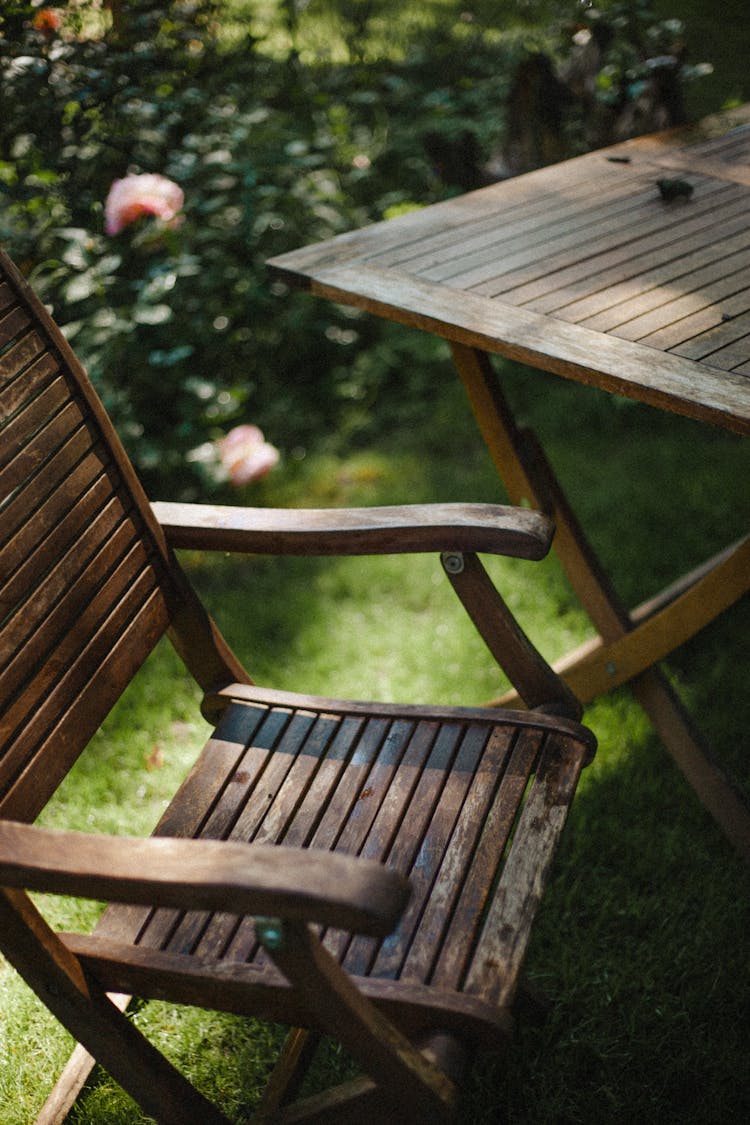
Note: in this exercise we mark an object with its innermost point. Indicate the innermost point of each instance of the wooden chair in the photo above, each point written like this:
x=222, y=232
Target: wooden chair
x=363, y=870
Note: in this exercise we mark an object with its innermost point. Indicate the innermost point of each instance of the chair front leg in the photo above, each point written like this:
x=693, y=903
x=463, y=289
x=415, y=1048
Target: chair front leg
x=401, y=1072
x=56, y=976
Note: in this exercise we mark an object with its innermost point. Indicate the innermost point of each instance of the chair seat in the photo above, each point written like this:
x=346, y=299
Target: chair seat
x=435, y=793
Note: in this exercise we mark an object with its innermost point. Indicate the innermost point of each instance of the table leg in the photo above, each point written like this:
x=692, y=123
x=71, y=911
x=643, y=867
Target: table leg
x=659, y=626
x=529, y=479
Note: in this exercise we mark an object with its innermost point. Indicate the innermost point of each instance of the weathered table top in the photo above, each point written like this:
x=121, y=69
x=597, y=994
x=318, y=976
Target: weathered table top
x=581, y=269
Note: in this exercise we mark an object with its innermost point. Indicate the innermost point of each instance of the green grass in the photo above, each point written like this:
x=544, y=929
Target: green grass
x=366, y=29
x=641, y=942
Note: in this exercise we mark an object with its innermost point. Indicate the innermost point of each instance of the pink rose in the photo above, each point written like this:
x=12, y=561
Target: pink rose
x=246, y=455
x=147, y=194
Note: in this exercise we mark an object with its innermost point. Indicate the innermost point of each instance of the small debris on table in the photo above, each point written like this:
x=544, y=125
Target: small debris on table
x=670, y=190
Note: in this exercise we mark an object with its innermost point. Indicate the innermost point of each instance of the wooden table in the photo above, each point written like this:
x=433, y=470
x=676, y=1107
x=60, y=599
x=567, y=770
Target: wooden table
x=583, y=269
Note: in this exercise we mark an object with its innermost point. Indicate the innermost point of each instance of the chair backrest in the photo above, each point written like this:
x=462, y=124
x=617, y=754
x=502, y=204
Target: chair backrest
x=87, y=584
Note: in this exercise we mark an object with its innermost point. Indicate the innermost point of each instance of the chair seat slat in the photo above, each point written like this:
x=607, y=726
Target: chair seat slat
x=327, y=776
x=282, y=810
x=303, y=741
x=377, y=755
x=494, y=969
x=425, y=874
x=255, y=771
x=398, y=834
x=207, y=781
x=183, y=818
x=238, y=813
x=445, y=799
x=457, y=944
x=460, y=868
x=237, y=942
x=387, y=749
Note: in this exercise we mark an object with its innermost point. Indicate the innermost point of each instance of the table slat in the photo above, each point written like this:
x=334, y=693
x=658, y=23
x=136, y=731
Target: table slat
x=581, y=269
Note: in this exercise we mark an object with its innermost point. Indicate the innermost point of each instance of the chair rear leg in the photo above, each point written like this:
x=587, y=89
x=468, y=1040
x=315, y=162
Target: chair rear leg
x=288, y=1073
x=360, y=1100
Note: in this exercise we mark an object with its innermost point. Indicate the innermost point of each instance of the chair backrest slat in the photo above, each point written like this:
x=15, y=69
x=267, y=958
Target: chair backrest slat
x=86, y=587
x=48, y=537
x=72, y=702
x=76, y=595
x=22, y=354
x=28, y=492
x=14, y=321
x=7, y=296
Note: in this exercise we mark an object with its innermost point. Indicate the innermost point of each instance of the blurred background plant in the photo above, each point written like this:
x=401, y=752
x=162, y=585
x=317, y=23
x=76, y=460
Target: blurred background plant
x=282, y=123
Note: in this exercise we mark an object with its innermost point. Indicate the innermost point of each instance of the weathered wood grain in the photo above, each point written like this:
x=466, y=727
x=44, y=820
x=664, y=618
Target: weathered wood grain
x=353, y=531
x=623, y=367
x=580, y=269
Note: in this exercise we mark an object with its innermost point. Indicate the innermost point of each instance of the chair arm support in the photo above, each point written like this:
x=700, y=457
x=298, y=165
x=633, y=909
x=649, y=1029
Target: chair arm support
x=316, y=886
x=536, y=682
x=492, y=528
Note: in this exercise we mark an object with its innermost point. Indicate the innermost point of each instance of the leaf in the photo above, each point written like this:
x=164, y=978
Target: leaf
x=81, y=286
x=154, y=314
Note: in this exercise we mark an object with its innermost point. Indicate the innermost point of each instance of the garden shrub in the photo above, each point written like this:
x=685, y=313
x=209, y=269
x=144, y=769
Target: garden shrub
x=177, y=323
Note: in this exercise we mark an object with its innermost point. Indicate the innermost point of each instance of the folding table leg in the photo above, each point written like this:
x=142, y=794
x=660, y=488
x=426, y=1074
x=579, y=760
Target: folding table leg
x=528, y=478
x=659, y=626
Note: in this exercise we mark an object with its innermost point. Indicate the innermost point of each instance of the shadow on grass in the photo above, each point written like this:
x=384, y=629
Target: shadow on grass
x=641, y=943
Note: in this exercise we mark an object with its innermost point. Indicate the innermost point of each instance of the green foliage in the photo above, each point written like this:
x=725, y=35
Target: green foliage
x=173, y=323
x=177, y=324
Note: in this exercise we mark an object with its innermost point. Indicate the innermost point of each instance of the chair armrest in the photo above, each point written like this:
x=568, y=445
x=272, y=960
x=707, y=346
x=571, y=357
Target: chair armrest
x=492, y=528
x=317, y=886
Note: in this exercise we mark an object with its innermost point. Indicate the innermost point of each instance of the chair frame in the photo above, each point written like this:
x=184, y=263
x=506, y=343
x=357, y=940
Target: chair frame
x=412, y=1039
